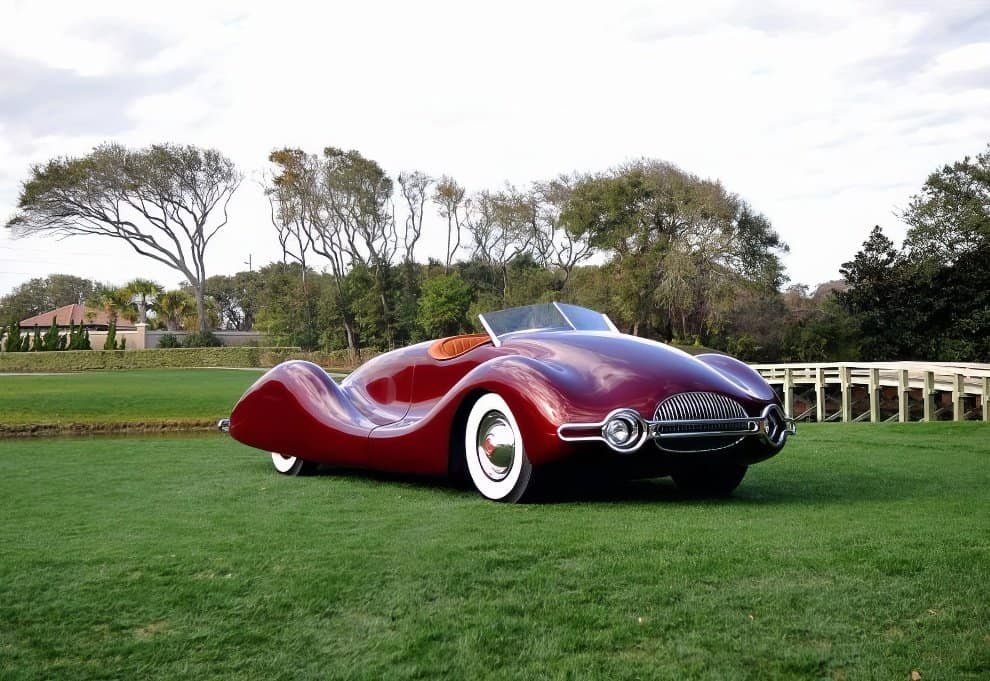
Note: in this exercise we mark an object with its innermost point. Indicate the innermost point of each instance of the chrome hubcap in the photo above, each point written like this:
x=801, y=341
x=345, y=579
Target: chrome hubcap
x=496, y=446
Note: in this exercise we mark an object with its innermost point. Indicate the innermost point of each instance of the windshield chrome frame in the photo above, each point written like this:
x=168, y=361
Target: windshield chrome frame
x=497, y=340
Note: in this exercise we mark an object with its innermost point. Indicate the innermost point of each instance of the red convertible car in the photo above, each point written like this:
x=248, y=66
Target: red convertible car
x=547, y=384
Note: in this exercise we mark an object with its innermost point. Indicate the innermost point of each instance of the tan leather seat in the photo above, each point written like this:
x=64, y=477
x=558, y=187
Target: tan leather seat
x=455, y=346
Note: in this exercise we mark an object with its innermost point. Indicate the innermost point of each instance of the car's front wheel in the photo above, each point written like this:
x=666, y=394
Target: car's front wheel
x=494, y=453
x=292, y=465
x=710, y=479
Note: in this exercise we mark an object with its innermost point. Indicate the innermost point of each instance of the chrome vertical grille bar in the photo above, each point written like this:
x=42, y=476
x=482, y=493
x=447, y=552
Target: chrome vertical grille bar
x=705, y=413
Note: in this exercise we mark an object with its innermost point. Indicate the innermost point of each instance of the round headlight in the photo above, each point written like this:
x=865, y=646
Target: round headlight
x=618, y=431
x=622, y=431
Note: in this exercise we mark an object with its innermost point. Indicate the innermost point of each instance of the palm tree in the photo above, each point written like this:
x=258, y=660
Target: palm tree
x=143, y=291
x=174, y=305
x=115, y=301
x=212, y=315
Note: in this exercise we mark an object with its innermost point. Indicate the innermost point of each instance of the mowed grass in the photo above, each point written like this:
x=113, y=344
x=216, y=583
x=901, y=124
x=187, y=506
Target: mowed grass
x=862, y=552
x=145, y=396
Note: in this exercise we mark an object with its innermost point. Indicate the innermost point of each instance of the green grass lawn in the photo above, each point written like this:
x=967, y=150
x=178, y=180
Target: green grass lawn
x=122, y=396
x=862, y=552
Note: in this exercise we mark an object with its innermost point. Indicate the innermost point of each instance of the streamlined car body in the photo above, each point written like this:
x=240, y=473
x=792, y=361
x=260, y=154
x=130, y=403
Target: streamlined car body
x=545, y=385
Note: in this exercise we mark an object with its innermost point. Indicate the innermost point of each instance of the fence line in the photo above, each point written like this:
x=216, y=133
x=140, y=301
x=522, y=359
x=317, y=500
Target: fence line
x=932, y=389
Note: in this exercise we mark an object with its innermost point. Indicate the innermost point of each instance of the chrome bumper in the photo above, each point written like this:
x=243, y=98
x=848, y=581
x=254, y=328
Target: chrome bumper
x=771, y=426
x=223, y=425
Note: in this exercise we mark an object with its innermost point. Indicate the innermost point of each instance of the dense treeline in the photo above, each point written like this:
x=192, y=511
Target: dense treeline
x=931, y=298
x=665, y=253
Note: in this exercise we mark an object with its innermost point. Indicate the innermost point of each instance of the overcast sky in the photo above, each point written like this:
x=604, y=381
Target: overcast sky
x=826, y=117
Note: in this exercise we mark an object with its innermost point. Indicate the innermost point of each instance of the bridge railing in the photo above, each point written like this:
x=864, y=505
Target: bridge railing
x=881, y=391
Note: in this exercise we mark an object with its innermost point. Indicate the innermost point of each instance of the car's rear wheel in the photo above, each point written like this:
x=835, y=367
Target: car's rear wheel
x=494, y=453
x=710, y=479
x=292, y=465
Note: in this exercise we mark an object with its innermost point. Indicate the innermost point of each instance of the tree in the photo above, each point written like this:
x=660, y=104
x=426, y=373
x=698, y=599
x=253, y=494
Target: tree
x=909, y=305
x=554, y=246
x=160, y=200
x=236, y=298
x=676, y=244
x=301, y=209
x=951, y=215
x=415, y=187
x=14, y=342
x=340, y=203
x=289, y=314
x=116, y=302
x=174, y=306
x=43, y=294
x=293, y=192
x=449, y=196
x=359, y=198
x=407, y=282
x=501, y=225
x=882, y=296
x=53, y=340
x=78, y=338
x=444, y=304
x=143, y=292
x=110, y=342
x=960, y=293
x=815, y=327
x=948, y=244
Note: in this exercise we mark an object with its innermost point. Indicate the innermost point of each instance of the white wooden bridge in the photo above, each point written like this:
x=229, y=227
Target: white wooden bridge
x=882, y=391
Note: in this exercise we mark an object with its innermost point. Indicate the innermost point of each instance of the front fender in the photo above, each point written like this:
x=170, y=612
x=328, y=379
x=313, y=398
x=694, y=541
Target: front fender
x=743, y=375
x=424, y=441
x=540, y=396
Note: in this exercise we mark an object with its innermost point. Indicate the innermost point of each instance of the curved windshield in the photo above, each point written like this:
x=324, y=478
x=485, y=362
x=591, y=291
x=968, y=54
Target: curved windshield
x=543, y=317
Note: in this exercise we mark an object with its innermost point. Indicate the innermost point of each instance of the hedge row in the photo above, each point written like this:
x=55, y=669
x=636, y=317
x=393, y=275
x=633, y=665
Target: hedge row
x=170, y=358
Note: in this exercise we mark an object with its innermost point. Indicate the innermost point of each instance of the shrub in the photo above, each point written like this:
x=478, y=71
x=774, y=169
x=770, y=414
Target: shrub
x=52, y=339
x=169, y=340
x=202, y=339
x=78, y=337
x=169, y=358
x=14, y=342
x=111, y=341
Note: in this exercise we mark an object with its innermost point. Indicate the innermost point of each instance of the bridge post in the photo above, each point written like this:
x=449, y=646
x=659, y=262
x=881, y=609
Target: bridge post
x=874, y=395
x=928, y=395
x=788, y=389
x=820, y=395
x=958, y=408
x=845, y=390
x=903, y=396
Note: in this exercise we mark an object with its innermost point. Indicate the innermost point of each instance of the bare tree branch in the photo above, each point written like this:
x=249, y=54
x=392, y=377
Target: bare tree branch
x=159, y=200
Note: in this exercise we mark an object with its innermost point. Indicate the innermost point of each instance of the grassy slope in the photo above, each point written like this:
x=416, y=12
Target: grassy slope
x=861, y=552
x=105, y=396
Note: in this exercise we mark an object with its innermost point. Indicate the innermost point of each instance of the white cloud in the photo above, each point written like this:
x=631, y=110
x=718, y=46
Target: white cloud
x=973, y=57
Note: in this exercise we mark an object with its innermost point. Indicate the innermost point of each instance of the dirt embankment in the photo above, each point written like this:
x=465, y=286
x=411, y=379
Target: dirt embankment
x=105, y=428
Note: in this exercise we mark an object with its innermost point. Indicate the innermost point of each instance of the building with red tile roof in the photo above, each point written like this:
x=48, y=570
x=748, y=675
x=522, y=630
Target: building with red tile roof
x=91, y=317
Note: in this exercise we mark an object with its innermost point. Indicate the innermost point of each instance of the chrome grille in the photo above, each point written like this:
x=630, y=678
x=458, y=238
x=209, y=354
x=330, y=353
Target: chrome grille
x=714, y=411
x=699, y=407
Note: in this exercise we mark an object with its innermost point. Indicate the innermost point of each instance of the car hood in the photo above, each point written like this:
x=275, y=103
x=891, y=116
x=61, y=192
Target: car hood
x=609, y=370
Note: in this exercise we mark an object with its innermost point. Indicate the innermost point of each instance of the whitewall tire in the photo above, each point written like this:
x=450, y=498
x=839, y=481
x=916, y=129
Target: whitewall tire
x=493, y=450
x=292, y=465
